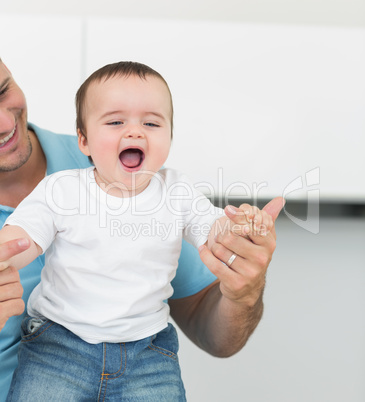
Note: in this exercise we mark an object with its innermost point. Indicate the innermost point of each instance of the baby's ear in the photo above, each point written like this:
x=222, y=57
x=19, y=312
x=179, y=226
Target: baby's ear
x=83, y=144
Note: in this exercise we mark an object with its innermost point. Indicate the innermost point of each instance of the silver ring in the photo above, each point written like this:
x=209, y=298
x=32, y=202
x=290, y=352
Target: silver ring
x=230, y=261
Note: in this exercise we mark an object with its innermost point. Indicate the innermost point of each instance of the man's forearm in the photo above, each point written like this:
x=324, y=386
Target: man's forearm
x=221, y=317
x=228, y=325
x=216, y=324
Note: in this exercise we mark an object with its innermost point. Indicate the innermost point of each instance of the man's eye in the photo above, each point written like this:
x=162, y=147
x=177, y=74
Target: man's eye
x=152, y=125
x=4, y=90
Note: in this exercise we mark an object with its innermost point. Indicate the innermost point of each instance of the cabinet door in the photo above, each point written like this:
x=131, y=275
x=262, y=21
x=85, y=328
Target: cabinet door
x=260, y=110
x=44, y=54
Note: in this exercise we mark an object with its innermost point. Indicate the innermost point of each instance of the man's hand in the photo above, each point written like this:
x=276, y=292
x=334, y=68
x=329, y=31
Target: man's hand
x=11, y=290
x=221, y=317
x=244, y=280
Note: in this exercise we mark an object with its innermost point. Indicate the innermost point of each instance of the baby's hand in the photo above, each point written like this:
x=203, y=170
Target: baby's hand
x=10, y=249
x=251, y=220
x=4, y=264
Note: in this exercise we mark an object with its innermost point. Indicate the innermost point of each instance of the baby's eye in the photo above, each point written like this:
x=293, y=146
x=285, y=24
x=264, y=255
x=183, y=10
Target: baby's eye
x=114, y=123
x=152, y=125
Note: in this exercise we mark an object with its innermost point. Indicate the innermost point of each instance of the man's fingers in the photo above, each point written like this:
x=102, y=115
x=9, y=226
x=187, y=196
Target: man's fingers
x=274, y=207
x=217, y=267
x=13, y=247
x=10, y=308
x=10, y=286
x=11, y=292
x=9, y=275
x=227, y=256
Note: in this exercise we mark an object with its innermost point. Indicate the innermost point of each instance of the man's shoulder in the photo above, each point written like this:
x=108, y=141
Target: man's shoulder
x=46, y=137
x=61, y=150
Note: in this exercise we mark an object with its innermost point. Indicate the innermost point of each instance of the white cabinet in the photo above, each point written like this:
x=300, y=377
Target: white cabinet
x=260, y=110
x=44, y=55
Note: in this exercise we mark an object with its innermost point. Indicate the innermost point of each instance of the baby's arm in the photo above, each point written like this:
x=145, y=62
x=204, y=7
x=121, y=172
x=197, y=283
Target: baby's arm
x=11, y=232
x=253, y=222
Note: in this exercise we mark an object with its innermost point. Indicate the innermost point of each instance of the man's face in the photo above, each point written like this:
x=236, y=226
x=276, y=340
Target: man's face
x=15, y=145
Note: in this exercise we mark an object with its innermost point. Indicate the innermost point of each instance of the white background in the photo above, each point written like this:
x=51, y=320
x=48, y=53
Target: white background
x=256, y=105
x=267, y=91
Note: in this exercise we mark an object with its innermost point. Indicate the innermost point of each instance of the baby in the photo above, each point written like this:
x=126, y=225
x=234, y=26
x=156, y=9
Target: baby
x=98, y=321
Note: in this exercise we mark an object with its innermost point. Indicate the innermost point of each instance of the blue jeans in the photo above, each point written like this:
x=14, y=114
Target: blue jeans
x=56, y=365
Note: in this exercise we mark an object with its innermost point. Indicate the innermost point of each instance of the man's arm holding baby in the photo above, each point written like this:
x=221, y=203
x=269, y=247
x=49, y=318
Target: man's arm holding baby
x=221, y=317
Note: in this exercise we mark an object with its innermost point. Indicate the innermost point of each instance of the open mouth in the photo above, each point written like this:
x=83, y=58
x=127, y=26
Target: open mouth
x=132, y=158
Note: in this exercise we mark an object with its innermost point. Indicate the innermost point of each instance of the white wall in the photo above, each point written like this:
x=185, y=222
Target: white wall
x=257, y=106
x=310, y=344
x=349, y=13
x=44, y=55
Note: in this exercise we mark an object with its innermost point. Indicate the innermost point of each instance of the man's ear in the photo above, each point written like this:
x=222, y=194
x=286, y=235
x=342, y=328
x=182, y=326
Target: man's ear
x=83, y=144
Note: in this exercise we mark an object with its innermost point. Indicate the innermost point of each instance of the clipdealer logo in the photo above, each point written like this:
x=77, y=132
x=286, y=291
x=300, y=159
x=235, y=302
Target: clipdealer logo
x=310, y=183
x=307, y=183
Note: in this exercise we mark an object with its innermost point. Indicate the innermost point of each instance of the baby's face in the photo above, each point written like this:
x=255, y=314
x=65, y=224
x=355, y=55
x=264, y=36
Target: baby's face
x=128, y=130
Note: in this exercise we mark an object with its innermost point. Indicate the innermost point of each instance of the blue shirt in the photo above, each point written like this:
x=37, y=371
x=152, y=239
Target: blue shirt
x=62, y=153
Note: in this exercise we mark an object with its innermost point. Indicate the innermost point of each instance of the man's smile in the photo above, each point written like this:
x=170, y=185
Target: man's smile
x=5, y=140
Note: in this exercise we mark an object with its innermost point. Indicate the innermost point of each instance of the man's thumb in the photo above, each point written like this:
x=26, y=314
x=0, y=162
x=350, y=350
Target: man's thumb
x=274, y=207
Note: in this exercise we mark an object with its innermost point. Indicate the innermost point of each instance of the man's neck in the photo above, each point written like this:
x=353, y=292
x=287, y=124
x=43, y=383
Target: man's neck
x=16, y=185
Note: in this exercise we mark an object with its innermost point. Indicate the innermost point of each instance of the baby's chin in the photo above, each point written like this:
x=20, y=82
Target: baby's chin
x=138, y=183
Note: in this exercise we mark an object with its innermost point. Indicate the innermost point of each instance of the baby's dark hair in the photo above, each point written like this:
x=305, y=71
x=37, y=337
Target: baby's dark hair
x=123, y=69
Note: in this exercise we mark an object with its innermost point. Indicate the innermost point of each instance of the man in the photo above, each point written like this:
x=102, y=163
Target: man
x=218, y=315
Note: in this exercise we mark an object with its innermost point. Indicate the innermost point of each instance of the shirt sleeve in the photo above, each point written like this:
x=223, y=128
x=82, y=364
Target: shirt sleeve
x=35, y=217
x=198, y=212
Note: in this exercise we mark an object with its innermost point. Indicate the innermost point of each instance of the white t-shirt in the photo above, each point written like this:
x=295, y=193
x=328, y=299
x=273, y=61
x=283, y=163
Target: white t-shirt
x=109, y=261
